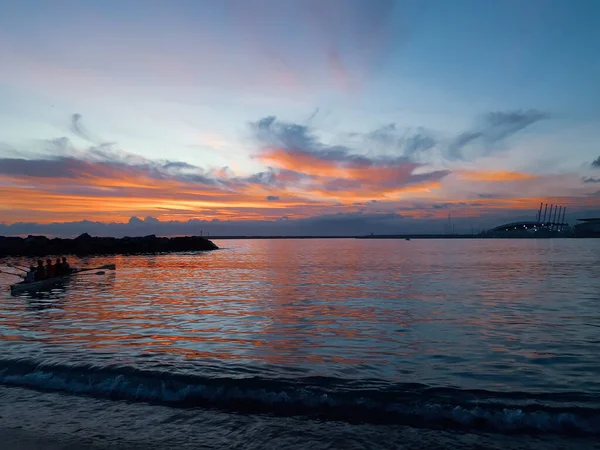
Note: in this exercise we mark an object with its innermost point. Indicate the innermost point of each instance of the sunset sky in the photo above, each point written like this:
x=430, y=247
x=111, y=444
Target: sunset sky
x=298, y=116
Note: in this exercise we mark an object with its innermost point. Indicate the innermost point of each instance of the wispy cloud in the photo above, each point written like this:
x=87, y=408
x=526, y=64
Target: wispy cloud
x=495, y=127
x=590, y=180
x=419, y=143
x=596, y=163
x=410, y=142
x=78, y=129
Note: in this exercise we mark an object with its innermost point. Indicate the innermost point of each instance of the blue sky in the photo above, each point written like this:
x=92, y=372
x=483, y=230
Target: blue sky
x=511, y=84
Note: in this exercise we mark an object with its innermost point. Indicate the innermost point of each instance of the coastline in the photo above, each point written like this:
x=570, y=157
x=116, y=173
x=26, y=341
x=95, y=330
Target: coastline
x=401, y=236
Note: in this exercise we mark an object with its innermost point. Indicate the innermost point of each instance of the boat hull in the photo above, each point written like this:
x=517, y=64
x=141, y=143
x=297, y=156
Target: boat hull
x=36, y=286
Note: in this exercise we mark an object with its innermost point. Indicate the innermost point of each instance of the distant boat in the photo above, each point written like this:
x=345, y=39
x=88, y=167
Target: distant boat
x=407, y=239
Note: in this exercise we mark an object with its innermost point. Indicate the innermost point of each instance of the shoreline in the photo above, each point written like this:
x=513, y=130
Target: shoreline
x=396, y=236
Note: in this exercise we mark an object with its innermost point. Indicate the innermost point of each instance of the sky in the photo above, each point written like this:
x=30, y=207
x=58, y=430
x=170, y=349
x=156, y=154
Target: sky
x=296, y=117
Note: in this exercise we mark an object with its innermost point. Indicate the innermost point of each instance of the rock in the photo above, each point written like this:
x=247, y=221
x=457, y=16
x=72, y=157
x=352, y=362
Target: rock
x=88, y=245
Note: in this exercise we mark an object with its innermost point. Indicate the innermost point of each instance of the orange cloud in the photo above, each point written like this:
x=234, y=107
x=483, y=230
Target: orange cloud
x=385, y=177
x=494, y=175
x=354, y=196
x=310, y=164
x=303, y=184
x=100, y=191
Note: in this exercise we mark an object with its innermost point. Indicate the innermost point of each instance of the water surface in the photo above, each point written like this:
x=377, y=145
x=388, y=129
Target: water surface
x=460, y=336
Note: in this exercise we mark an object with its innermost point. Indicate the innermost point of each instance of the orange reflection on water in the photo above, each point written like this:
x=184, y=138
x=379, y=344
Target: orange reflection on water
x=388, y=308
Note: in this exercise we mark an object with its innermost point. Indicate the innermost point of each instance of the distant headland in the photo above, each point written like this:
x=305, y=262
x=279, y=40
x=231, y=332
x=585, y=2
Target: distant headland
x=85, y=244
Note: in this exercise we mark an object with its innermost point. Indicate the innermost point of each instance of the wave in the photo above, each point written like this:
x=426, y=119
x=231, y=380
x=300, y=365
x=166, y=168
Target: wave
x=368, y=401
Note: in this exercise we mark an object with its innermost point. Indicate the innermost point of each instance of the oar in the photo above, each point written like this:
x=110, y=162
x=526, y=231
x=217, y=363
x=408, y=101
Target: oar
x=14, y=266
x=102, y=272
x=105, y=267
x=13, y=274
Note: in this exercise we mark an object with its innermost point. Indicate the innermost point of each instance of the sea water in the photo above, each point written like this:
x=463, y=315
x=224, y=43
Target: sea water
x=301, y=343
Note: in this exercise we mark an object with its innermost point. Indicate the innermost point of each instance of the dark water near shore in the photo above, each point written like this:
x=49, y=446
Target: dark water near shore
x=312, y=343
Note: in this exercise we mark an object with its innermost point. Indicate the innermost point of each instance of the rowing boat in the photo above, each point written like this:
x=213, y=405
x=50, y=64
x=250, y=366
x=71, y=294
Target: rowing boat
x=48, y=283
x=36, y=286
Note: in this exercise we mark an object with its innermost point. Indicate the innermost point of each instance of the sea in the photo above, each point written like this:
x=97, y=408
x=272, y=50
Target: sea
x=310, y=344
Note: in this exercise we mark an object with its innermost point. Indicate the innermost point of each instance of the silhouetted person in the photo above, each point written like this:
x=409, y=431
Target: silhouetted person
x=30, y=277
x=65, y=266
x=57, y=267
x=40, y=271
x=50, y=269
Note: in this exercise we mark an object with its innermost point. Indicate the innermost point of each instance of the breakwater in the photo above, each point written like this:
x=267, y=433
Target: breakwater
x=88, y=245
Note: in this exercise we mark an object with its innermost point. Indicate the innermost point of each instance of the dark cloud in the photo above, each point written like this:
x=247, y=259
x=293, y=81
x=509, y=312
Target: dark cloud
x=178, y=165
x=272, y=198
x=43, y=168
x=494, y=128
x=78, y=129
x=102, y=162
x=275, y=178
x=596, y=163
x=503, y=124
x=284, y=135
x=267, y=178
x=344, y=155
x=313, y=115
x=488, y=195
x=299, y=139
x=135, y=221
x=590, y=180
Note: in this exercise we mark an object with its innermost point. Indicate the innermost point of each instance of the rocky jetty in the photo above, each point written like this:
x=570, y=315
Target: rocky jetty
x=88, y=245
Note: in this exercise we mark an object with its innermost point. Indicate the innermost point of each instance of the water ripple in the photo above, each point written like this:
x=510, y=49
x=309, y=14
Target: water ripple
x=501, y=315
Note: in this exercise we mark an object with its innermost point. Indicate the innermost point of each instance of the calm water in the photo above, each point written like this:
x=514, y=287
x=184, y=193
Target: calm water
x=312, y=343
